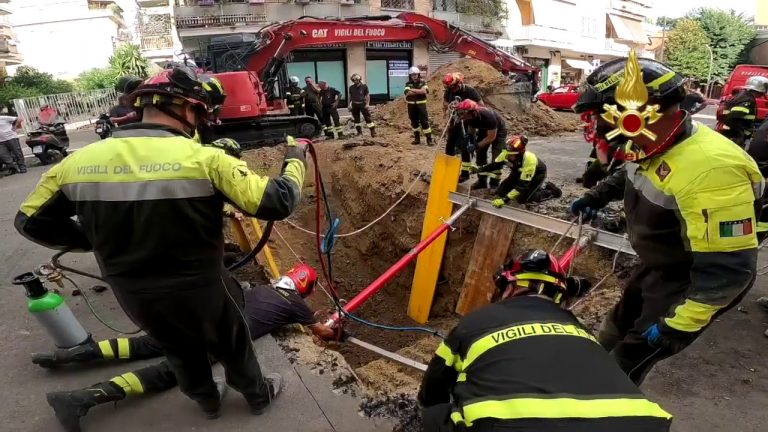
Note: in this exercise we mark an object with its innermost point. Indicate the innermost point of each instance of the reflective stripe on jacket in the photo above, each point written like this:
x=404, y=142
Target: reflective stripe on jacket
x=149, y=200
x=530, y=365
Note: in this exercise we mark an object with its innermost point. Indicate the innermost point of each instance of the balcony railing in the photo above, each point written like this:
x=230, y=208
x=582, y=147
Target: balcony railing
x=156, y=42
x=223, y=20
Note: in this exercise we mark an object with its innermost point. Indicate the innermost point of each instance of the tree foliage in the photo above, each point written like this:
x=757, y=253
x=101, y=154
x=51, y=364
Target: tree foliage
x=29, y=82
x=667, y=23
x=97, y=78
x=128, y=60
x=729, y=34
x=686, y=49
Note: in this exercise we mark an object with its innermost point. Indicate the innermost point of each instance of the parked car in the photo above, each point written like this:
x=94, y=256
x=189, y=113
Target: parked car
x=560, y=98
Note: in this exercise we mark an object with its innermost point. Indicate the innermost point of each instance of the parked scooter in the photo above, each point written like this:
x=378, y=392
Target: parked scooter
x=50, y=141
x=104, y=126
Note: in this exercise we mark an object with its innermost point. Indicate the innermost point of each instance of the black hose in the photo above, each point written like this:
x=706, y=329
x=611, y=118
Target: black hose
x=256, y=249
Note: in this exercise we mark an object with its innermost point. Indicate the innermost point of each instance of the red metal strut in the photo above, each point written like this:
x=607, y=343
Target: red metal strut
x=386, y=277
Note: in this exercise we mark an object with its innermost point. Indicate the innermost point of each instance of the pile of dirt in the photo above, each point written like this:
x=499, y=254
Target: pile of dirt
x=539, y=120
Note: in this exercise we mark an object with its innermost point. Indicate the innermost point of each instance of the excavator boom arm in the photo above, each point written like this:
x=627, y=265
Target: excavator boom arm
x=278, y=40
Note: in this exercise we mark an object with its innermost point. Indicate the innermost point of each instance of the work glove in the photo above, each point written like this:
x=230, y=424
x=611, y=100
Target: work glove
x=474, y=169
x=586, y=207
x=668, y=339
x=498, y=202
x=299, y=143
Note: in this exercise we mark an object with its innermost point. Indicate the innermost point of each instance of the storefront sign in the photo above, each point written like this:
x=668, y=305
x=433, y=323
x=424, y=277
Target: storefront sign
x=329, y=46
x=389, y=45
x=398, y=67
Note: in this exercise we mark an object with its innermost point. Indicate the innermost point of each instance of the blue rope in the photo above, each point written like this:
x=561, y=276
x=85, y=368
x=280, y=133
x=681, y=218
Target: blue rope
x=330, y=237
x=427, y=330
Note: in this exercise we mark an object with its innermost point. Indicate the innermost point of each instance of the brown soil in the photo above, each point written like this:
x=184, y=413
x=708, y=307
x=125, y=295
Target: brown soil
x=541, y=120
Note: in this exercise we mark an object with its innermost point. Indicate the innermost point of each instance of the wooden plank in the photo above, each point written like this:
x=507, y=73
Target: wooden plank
x=247, y=233
x=494, y=238
x=445, y=179
x=266, y=254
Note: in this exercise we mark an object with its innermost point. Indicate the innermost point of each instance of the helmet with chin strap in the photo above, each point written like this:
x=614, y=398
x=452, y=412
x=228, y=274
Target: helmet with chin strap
x=537, y=273
x=301, y=279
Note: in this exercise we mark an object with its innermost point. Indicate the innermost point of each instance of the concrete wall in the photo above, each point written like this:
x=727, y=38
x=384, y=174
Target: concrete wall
x=759, y=54
x=67, y=48
x=356, y=61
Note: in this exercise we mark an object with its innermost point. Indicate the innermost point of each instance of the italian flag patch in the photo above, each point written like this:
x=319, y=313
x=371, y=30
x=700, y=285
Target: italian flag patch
x=736, y=228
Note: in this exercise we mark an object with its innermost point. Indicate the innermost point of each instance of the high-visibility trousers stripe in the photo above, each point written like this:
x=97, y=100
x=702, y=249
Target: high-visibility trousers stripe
x=129, y=382
x=123, y=348
x=106, y=350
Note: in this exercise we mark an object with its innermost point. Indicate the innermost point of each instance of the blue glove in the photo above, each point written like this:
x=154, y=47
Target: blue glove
x=668, y=339
x=653, y=335
x=471, y=147
x=586, y=207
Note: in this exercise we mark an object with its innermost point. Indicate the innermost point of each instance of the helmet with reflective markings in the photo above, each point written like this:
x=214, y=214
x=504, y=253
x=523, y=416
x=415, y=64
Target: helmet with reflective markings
x=536, y=271
x=301, y=278
x=414, y=70
x=179, y=85
x=295, y=80
x=215, y=90
x=517, y=143
x=757, y=83
x=453, y=79
x=665, y=86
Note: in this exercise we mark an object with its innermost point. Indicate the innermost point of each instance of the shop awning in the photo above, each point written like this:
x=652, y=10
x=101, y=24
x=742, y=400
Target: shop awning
x=628, y=29
x=579, y=64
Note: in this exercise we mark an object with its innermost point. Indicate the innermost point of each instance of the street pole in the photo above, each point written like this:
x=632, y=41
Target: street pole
x=711, y=63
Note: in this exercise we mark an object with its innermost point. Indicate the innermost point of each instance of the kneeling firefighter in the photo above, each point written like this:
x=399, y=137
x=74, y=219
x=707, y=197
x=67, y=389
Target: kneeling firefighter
x=137, y=196
x=524, y=363
x=267, y=308
x=690, y=196
x=526, y=182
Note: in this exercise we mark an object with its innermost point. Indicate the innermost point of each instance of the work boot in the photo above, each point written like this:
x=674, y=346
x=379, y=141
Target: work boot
x=416, y=139
x=87, y=352
x=429, y=140
x=494, y=183
x=70, y=406
x=212, y=407
x=274, y=383
x=22, y=169
x=359, y=130
x=481, y=183
x=373, y=132
x=553, y=190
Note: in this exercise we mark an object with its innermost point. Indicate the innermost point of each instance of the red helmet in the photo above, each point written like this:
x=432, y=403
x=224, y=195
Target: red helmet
x=179, y=85
x=453, y=79
x=301, y=278
x=467, y=105
x=516, y=143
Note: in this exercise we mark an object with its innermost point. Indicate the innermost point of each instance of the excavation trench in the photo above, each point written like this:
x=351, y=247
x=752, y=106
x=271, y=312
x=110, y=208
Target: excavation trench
x=363, y=178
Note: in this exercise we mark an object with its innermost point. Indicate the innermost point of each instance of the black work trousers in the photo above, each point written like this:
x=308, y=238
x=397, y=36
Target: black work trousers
x=194, y=319
x=456, y=141
x=11, y=155
x=313, y=109
x=358, y=108
x=494, y=148
x=417, y=114
x=648, y=296
x=296, y=108
x=331, y=120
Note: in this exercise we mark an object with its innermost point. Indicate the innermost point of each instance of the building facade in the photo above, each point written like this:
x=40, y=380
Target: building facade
x=200, y=25
x=759, y=52
x=567, y=39
x=9, y=51
x=67, y=37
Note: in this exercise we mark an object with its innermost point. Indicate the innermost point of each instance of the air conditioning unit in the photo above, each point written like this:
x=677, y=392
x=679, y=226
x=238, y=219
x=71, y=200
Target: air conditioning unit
x=346, y=2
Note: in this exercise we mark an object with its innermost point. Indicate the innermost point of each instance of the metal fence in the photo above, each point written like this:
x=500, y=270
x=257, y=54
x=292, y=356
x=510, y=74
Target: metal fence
x=76, y=108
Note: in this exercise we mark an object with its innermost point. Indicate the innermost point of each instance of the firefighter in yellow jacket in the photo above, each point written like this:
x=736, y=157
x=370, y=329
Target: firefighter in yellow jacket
x=689, y=196
x=526, y=364
x=148, y=203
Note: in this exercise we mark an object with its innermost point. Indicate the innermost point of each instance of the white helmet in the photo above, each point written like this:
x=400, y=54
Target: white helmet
x=414, y=70
x=294, y=79
x=758, y=84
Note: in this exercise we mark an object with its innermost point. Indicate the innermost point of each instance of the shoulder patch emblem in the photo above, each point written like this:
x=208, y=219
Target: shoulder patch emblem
x=736, y=228
x=663, y=171
x=239, y=172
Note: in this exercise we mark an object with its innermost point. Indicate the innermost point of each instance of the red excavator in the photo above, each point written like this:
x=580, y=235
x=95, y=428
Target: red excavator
x=255, y=113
